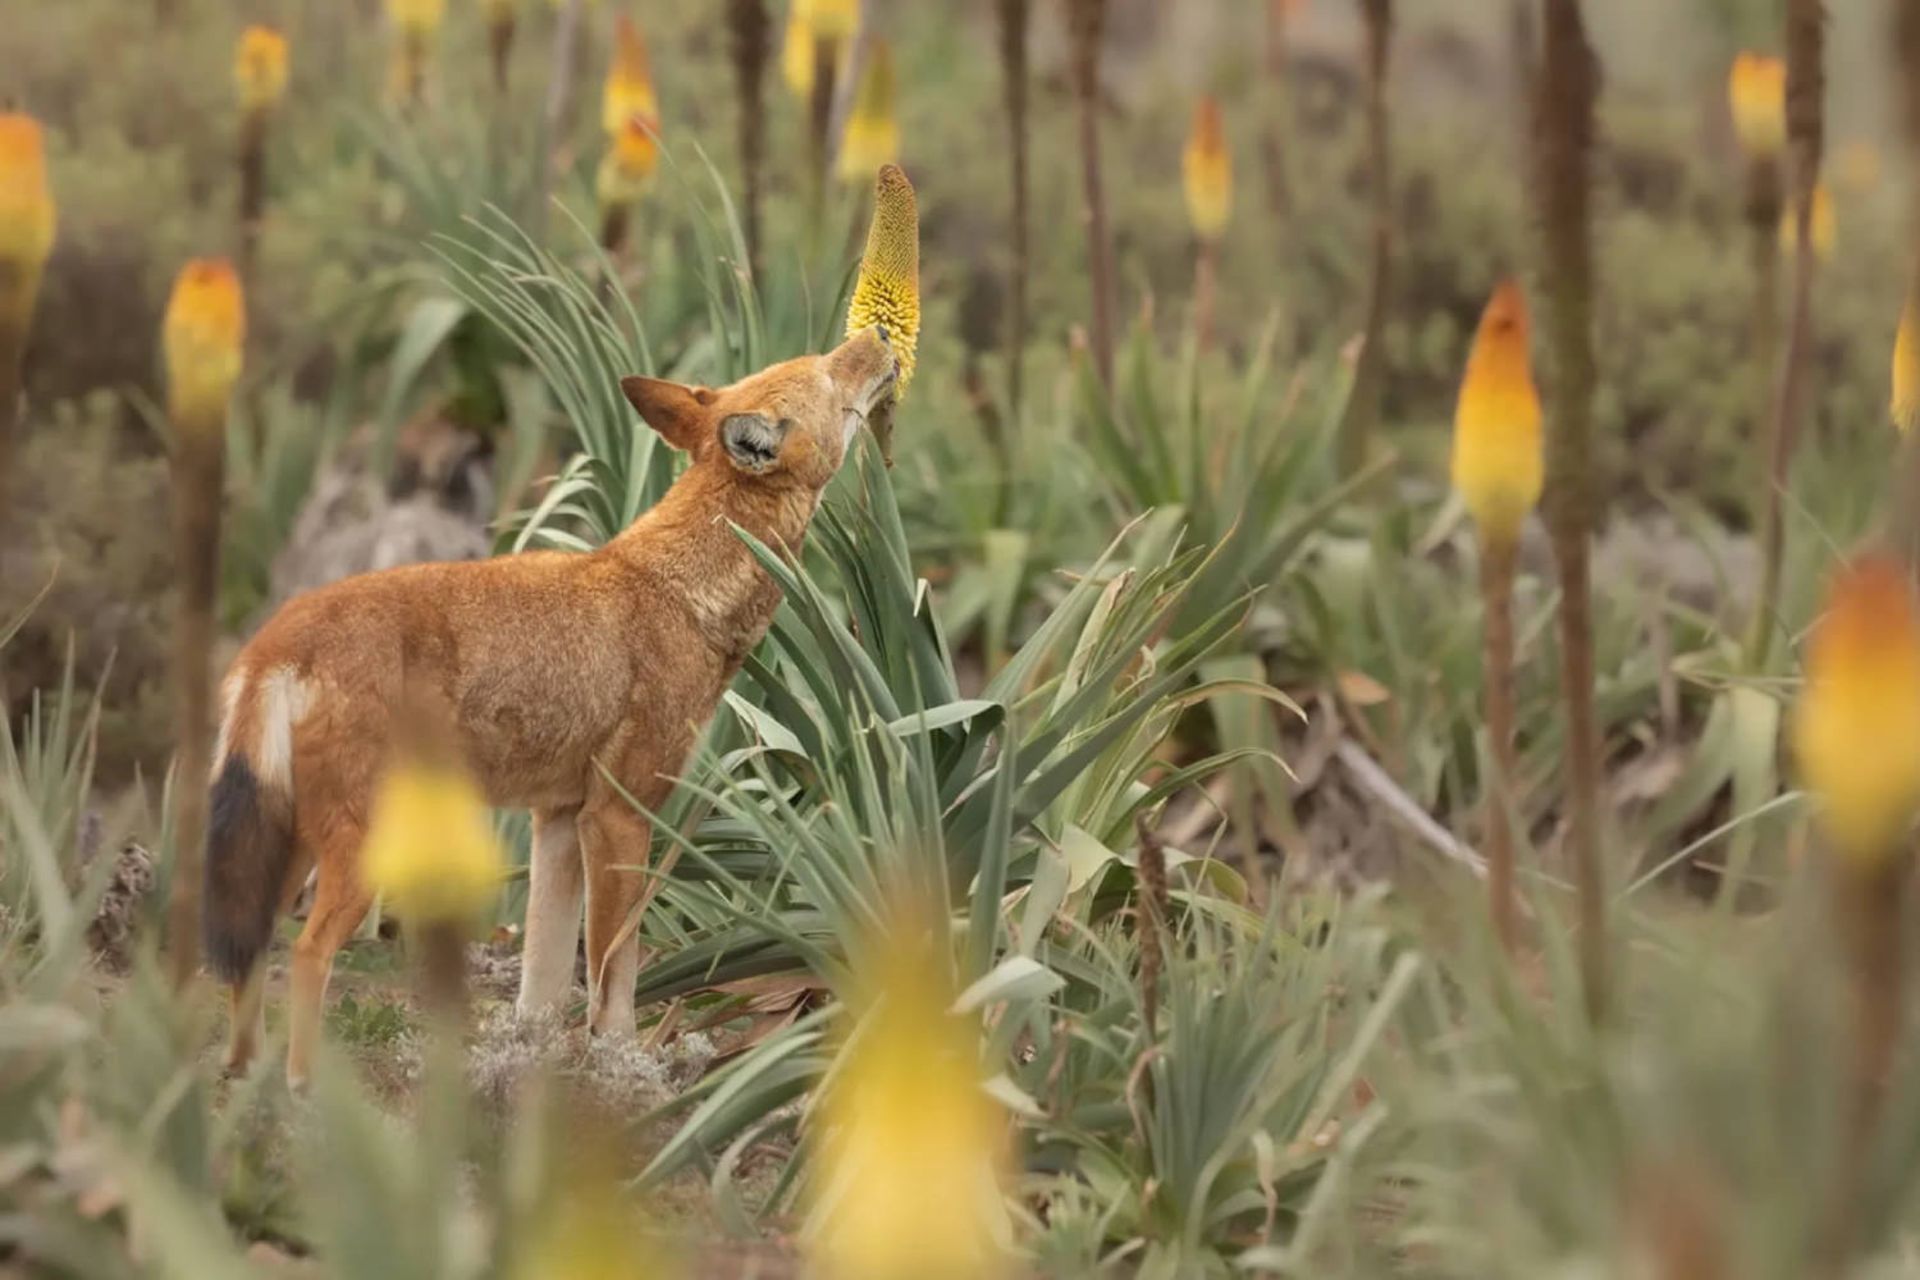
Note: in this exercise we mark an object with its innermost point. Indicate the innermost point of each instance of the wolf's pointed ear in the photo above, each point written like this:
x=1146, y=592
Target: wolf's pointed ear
x=678, y=413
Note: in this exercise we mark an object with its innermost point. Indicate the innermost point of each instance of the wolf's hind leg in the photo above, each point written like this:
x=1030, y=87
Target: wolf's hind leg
x=556, y=887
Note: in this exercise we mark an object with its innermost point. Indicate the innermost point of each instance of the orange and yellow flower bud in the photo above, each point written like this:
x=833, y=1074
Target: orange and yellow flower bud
x=1498, y=463
x=203, y=335
x=27, y=217
x=834, y=20
x=260, y=69
x=629, y=164
x=888, y=290
x=1857, y=732
x=1207, y=168
x=1757, y=93
x=1823, y=232
x=911, y=1147
x=629, y=88
x=796, y=52
x=873, y=130
x=1905, y=401
x=418, y=19
x=431, y=852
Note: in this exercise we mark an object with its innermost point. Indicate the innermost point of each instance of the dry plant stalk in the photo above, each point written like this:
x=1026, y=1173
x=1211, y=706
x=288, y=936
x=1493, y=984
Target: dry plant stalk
x=1906, y=353
x=1207, y=173
x=1566, y=90
x=27, y=223
x=1088, y=20
x=260, y=81
x=1155, y=908
x=203, y=336
x=1015, y=16
x=1273, y=140
x=502, y=23
x=751, y=43
x=1806, y=93
x=1362, y=411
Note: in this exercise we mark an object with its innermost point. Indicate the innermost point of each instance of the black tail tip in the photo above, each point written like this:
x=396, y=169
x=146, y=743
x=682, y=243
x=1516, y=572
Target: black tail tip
x=249, y=845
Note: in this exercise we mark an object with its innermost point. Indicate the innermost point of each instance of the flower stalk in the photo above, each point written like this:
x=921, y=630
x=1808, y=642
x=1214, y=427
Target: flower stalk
x=750, y=32
x=1087, y=19
x=415, y=25
x=1207, y=171
x=1015, y=18
x=260, y=84
x=1498, y=472
x=1362, y=410
x=1805, y=128
x=1273, y=143
x=27, y=224
x=203, y=337
x=1565, y=92
x=503, y=22
x=629, y=114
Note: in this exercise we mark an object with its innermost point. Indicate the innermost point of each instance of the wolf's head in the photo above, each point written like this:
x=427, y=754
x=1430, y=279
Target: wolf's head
x=788, y=425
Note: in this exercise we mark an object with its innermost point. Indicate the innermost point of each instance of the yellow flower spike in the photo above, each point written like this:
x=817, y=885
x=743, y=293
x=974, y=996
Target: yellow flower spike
x=1856, y=167
x=629, y=87
x=260, y=69
x=27, y=216
x=203, y=335
x=417, y=18
x=1207, y=168
x=1857, y=728
x=430, y=851
x=835, y=20
x=629, y=164
x=888, y=291
x=796, y=52
x=872, y=139
x=1822, y=231
x=911, y=1149
x=1498, y=465
x=1905, y=403
x=1757, y=94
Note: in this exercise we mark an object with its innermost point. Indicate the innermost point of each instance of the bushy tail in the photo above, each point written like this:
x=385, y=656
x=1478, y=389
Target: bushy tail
x=249, y=848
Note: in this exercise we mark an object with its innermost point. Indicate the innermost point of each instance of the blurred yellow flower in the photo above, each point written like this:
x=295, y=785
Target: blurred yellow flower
x=1757, y=93
x=430, y=851
x=911, y=1150
x=873, y=130
x=416, y=18
x=594, y=1231
x=1498, y=466
x=27, y=216
x=832, y=19
x=796, y=52
x=1207, y=168
x=1822, y=232
x=888, y=290
x=1856, y=167
x=260, y=69
x=629, y=164
x=1857, y=731
x=203, y=336
x=629, y=86
x=1905, y=401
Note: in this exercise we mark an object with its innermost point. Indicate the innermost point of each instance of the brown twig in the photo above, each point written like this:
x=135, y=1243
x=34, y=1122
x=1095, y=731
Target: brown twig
x=1273, y=141
x=1568, y=86
x=1014, y=19
x=1362, y=411
x=750, y=27
x=1088, y=19
x=1154, y=907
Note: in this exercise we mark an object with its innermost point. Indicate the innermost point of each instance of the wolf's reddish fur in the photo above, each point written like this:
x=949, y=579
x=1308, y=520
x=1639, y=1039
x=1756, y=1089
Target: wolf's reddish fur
x=553, y=666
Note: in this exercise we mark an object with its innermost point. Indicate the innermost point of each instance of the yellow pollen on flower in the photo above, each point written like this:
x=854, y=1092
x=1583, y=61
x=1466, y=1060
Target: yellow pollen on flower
x=629, y=86
x=260, y=69
x=873, y=129
x=888, y=290
x=1498, y=464
x=417, y=18
x=27, y=215
x=796, y=52
x=430, y=849
x=1857, y=728
x=629, y=164
x=1757, y=94
x=1904, y=405
x=203, y=335
x=911, y=1149
x=1207, y=168
x=1823, y=232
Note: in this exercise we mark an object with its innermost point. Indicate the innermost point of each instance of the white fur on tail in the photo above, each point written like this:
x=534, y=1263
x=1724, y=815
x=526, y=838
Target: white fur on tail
x=281, y=703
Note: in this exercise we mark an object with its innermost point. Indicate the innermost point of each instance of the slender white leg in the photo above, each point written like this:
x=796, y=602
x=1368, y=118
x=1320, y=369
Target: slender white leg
x=556, y=892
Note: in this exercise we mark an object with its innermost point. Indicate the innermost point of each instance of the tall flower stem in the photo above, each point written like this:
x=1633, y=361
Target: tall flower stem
x=1905, y=18
x=1088, y=18
x=1363, y=402
x=1806, y=92
x=1567, y=87
x=1763, y=229
x=1014, y=20
x=826, y=62
x=1206, y=274
x=1498, y=557
x=1273, y=141
x=500, y=32
x=751, y=32
x=253, y=189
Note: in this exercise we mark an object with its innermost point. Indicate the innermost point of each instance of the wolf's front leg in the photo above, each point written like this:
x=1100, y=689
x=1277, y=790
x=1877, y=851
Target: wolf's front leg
x=615, y=840
x=556, y=883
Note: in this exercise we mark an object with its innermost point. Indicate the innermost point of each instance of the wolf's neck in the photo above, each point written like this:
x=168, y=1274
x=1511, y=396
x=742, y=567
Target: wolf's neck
x=687, y=544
